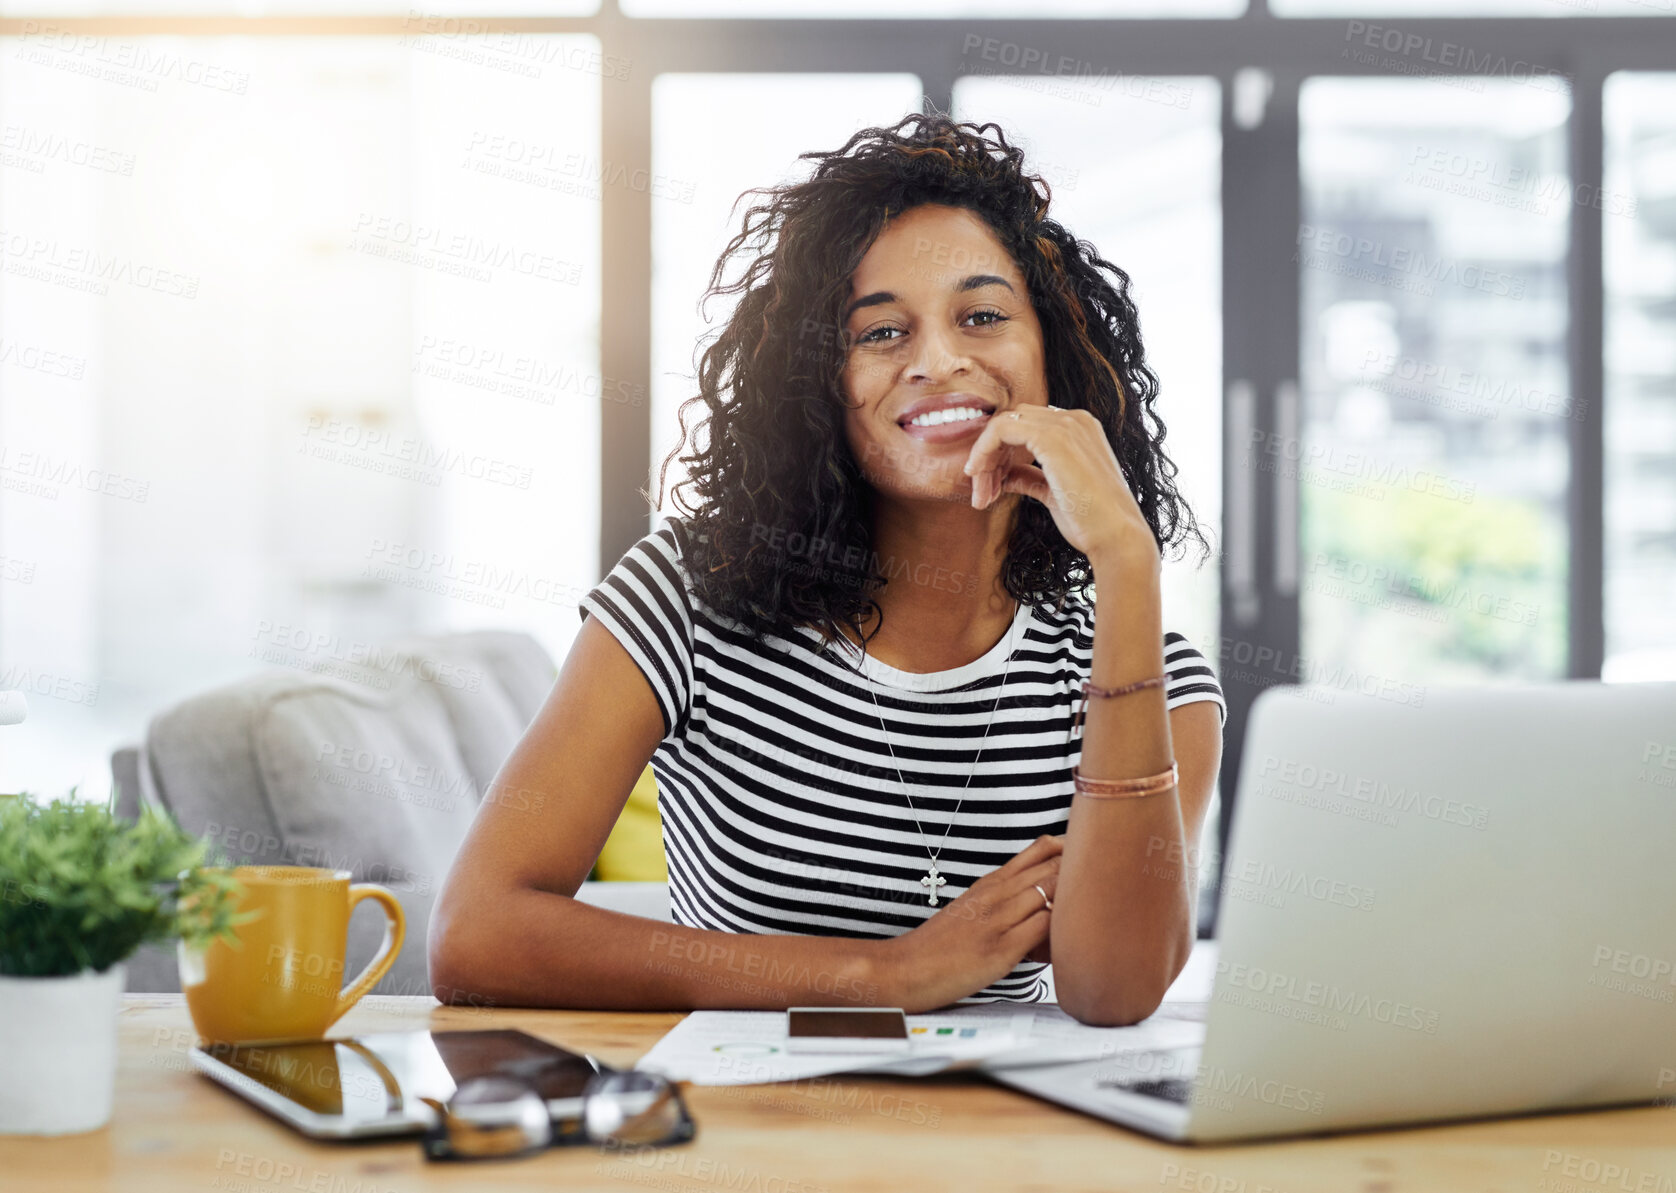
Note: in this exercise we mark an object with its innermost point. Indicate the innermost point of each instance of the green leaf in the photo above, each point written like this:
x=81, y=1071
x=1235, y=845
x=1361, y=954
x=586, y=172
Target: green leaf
x=81, y=888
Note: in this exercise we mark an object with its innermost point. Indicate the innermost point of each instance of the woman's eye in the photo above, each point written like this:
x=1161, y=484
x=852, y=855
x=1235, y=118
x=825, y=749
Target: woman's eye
x=876, y=335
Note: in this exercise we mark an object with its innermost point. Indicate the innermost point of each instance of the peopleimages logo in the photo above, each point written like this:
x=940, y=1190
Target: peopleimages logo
x=1658, y=764
x=1323, y=995
x=1316, y=461
x=851, y=566
x=1397, y=798
x=1202, y=1180
x=130, y=63
x=1268, y=665
x=1265, y=877
x=318, y=644
x=1364, y=36
x=406, y=456
x=1592, y=1172
x=1212, y=1081
x=1410, y=267
x=1640, y=974
x=1338, y=575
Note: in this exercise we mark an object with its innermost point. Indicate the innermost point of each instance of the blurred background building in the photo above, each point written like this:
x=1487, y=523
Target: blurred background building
x=322, y=321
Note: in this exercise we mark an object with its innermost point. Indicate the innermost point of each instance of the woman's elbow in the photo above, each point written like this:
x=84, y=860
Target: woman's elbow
x=457, y=975
x=1101, y=1000
x=1119, y=1009
x=477, y=948
x=441, y=963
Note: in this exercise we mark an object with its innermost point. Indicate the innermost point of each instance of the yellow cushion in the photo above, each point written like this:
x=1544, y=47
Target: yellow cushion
x=634, y=850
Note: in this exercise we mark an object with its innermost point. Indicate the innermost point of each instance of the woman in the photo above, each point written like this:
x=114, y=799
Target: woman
x=856, y=662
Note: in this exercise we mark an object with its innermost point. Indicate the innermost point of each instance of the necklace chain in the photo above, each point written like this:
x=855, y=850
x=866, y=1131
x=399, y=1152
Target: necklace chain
x=933, y=879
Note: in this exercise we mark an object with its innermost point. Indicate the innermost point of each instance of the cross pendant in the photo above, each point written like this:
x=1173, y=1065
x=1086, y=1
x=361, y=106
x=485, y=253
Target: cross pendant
x=933, y=880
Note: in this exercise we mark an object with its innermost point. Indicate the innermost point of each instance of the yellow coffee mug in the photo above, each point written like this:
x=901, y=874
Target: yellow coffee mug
x=283, y=981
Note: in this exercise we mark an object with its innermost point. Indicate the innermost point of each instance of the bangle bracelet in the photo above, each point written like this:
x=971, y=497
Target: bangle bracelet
x=1124, y=788
x=1088, y=689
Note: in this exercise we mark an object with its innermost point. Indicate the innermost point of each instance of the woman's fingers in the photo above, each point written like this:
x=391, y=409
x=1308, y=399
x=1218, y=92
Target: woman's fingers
x=1037, y=862
x=1011, y=467
x=1004, y=910
x=995, y=923
x=1028, y=480
x=1044, y=874
x=1000, y=896
x=1030, y=933
x=1022, y=426
x=1026, y=900
x=1003, y=451
x=1029, y=908
x=1064, y=460
x=1032, y=854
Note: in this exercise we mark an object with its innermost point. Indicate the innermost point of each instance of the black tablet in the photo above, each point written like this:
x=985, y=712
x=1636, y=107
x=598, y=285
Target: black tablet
x=371, y=1085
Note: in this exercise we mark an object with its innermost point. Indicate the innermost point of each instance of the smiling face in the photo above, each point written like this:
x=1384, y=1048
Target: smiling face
x=942, y=337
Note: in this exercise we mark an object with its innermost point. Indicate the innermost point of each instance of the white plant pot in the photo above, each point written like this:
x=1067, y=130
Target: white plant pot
x=58, y=1051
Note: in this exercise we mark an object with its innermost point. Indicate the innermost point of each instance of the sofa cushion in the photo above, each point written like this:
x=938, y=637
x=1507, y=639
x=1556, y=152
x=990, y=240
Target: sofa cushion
x=202, y=760
x=485, y=720
x=372, y=783
x=521, y=665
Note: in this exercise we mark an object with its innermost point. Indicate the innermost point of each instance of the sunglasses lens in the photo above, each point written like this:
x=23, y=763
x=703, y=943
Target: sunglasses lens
x=492, y=1116
x=632, y=1109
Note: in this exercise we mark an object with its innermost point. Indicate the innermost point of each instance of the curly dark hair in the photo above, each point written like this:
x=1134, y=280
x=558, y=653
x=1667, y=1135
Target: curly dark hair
x=779, y=535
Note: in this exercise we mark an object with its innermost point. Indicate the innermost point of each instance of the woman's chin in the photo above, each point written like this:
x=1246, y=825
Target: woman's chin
x=904, y=489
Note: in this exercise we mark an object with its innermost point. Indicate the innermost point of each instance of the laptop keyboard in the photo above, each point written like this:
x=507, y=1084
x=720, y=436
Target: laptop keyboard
x=1166, y=1074
x=1171, y=1089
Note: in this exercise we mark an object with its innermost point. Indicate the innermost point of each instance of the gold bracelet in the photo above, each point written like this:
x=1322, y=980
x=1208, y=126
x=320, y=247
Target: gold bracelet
x=1124, y=788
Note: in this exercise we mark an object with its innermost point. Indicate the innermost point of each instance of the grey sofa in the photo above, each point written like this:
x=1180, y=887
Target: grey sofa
x=375, y=767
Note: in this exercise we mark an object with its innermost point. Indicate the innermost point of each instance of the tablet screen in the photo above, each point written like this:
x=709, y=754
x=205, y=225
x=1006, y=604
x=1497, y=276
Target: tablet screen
x=382, y=1075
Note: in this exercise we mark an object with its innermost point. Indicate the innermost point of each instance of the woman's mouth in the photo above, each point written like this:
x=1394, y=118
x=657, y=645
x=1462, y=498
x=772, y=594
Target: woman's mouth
x=946, y=424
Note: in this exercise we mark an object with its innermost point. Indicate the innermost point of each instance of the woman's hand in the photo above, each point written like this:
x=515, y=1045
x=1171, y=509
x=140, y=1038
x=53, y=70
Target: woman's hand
x=1078, y=477
x=979, y=937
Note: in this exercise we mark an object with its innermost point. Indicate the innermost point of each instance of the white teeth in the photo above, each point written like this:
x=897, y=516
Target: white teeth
x=954, y=414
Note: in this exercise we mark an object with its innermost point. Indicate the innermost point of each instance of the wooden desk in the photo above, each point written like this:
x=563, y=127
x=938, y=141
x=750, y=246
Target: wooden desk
x=175, y=1131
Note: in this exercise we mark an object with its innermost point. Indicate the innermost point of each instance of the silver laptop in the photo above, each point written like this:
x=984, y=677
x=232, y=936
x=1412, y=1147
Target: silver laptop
x=1457, y=906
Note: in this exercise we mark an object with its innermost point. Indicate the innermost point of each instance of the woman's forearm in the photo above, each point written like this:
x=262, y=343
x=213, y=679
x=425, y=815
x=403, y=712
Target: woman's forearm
x=537, y=948
x=1123, y=914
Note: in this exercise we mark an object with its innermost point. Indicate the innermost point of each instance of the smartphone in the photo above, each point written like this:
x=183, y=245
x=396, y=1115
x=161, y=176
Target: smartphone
x=846, y=1029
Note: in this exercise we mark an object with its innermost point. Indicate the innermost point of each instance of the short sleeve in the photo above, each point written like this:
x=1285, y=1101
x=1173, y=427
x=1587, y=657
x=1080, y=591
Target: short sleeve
x=645, y=604
x=1189, y=676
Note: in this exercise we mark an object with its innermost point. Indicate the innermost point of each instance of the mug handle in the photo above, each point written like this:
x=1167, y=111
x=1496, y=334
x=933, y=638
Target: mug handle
x=394, y=933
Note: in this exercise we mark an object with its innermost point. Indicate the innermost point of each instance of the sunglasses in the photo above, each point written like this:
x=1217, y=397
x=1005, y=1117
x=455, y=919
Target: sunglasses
x=501, y=1116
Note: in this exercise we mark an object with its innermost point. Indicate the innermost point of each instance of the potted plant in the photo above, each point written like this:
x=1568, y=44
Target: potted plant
x=80, y=890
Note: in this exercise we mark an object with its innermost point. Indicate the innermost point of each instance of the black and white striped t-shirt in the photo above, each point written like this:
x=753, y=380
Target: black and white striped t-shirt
x=781, y=804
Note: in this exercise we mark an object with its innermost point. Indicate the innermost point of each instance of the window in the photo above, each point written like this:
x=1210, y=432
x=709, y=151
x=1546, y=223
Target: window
x=1472, y=8
x=899, y=9
x=1638, y=203
x=302, y=354
x=452, y=19
x=1433, y=464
